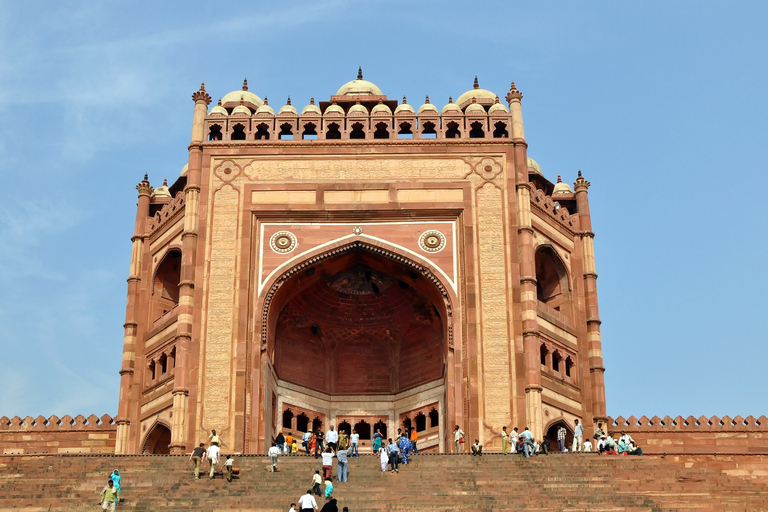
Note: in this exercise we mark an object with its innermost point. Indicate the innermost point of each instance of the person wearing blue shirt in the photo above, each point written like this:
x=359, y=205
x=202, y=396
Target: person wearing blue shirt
x=527, y=438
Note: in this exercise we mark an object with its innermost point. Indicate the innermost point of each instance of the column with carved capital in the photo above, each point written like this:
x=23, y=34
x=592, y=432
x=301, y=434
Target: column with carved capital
x=179, y=431
x=528, y=299
x=128, y=365
x=594, y=340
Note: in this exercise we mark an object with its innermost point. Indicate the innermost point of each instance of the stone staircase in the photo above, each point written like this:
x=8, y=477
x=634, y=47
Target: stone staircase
x=493, y=482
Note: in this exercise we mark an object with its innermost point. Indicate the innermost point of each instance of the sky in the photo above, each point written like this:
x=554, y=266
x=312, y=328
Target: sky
x=660, y=104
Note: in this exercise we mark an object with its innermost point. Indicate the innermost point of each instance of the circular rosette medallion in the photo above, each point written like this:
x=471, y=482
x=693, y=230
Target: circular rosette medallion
x=283, y=242
x=432, y=241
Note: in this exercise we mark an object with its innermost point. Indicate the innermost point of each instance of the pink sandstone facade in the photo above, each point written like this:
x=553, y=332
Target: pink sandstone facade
x=366, y=264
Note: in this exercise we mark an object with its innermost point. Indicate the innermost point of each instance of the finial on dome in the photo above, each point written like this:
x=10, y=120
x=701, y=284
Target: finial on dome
x=146, y=176
x=165, y=182
x=579, y=173
x=559, y=179
x=311, y=101
x=476, y=84
x=581, y=183
x=427, y=100
x=497, y=100
x=144, y=187
x=245, y=84
x=405, y=101
x=266, y=101
x=360, y=73
x=474, y=100
x=380, y=101
x=289, y=101
x=450, y=99
x=219, y=101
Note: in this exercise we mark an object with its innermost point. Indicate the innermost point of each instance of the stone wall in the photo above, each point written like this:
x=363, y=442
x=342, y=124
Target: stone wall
x=57, y=435
x=735, y=446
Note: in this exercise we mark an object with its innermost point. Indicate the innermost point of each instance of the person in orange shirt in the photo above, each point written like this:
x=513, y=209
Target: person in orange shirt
x=289, y=442
x=414, y=438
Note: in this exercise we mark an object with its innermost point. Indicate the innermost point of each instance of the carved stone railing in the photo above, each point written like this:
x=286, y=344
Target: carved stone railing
x=169, y=211
x=54, y=423
x=551, y=207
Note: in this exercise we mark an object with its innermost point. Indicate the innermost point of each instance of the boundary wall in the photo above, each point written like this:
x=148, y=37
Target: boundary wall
x=57, y=435
x=735, y=446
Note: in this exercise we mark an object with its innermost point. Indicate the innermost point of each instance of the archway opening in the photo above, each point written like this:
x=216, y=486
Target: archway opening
x=552, y=435
x=158, y=440
x=362, y=336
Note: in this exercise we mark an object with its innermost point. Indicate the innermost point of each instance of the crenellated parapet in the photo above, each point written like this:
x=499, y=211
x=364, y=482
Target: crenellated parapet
x=690, y=424
x=551, y=207
x=169, y=211
x=54, y=423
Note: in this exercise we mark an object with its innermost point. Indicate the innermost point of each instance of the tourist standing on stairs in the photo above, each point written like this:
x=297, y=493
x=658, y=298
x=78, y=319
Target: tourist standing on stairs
x=504, y=440
x=307, y=503
x=405, y=447
x=527, y=438
x=319, y=446
x=280, y=442
x=393, y=452
x=513, y=438
x=198, y=456
x=384, y=459
x=414, y=438
x=354, y=440
x=214, y=438
x=115, y=477
x=316, y=481
x=305, y=441
x=578, y=434
x=332, y=438
x=342, y=464
x=561, y=432
x=377, y=438
x=213, y=457
x=458, y=438
x=229, y=464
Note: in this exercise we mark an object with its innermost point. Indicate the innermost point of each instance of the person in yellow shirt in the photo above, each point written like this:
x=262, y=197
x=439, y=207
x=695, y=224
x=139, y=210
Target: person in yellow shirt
x=109, y=496
x=294, y=447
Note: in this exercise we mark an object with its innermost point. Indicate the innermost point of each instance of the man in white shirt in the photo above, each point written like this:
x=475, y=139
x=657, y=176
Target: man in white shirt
x=331, y=438
x=513, y=439
x=587, y=446
x=273, y=452
x=354, y=439
x=578, y=435
x=307, y=503
x=626, y=438
x=213, y=456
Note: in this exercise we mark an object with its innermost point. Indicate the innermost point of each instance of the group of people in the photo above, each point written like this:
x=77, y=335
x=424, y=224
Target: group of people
x=212, y=454
x=110, y=495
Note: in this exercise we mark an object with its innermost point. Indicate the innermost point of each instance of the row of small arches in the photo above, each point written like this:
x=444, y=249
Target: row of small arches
x=357, y=130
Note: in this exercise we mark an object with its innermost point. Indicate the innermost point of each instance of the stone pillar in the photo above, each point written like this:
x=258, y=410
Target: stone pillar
x=131, y=326
x=594, y=341
x=180, y=427
x=528, y=299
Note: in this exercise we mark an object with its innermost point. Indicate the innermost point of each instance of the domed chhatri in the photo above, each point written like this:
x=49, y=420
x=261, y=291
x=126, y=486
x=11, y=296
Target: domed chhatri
x=162, y=191
x=265, y=109
x=404, y=108
x=451, y=108
x=358, y=109
x=534, y=166
x=288, y=108
x=359, y=87
x=242, y=97
x=382, y=109
x=311, y=108
x=427, y=107
x=481, y=96
x=561, y=188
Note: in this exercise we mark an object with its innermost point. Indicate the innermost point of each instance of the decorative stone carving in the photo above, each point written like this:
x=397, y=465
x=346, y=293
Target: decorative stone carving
x=432, y=241
x=283, y=242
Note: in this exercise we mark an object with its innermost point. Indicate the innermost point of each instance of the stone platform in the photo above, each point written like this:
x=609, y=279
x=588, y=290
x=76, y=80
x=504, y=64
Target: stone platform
x=430, y=482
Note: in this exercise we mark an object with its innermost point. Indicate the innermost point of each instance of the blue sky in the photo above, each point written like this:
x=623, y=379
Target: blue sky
x=661, y=105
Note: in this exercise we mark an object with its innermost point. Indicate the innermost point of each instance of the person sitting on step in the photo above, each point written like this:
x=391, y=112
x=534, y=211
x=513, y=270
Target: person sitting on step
x=477, y=449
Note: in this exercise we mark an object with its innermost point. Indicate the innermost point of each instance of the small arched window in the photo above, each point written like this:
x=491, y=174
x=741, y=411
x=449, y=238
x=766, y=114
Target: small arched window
x=287, y=419
x=544, y=352
x=333, y=132
x=552, y=287
x=406, y=423
x=364, y=429
x=345, y=427
x=434, y=418
x=556, y=360
x=165, y=288
x=568, y=366
x=476, y=131
x=262, y=132
x=317, y=424
x=238, y=132
x=302, y=422
x=214, y=133
x=357, y=131
x=310, y=131
x=151, y=370
x=381, y=131
x=452, y=131
x=428, y=130
x=500, y=130
x=405, y=131
x=381, y=427
x=286, y=131
x=163, y=363
x=421, y=422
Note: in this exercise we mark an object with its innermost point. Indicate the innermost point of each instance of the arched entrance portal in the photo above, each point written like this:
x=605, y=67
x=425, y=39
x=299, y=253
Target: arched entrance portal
x=358, y=339
x=158, y=440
